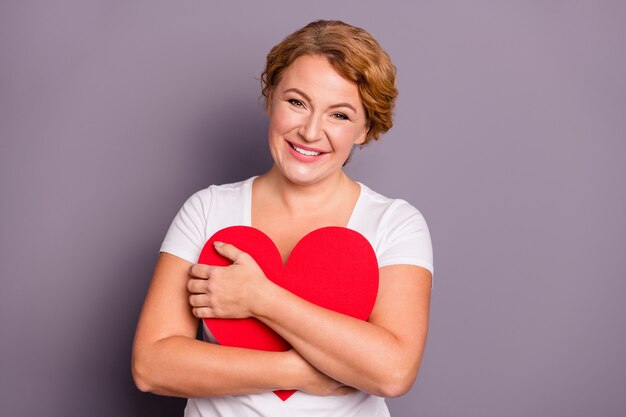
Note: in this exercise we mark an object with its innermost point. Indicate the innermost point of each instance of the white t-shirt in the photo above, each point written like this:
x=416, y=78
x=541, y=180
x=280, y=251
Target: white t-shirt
x=396, y=230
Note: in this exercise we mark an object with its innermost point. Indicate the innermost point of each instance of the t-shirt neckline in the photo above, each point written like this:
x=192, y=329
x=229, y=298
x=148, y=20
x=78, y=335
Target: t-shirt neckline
x=247, y=207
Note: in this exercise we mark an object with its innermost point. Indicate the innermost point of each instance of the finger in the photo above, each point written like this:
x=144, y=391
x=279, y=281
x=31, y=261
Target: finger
x=198, y=286
x=200, y=271
x=203, y=312
x=229, y=251
x=199, y=300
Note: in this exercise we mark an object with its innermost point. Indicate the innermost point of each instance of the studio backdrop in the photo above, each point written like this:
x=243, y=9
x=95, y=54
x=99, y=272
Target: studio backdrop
x=509, y=137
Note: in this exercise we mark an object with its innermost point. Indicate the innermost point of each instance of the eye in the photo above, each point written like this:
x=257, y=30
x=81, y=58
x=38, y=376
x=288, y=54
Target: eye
x=340, y=116
x=295, y=102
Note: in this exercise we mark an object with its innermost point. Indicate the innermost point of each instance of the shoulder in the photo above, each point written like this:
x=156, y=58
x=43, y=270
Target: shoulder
x=223, y=189
x=228, y=193
x=210, y=207
x=385, y=210
x=396, y=229
x=205, y=212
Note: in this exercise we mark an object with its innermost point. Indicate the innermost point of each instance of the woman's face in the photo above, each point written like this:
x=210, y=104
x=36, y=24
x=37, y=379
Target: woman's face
x=316, y=116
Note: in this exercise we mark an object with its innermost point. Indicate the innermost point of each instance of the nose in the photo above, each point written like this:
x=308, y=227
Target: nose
x=311, y=129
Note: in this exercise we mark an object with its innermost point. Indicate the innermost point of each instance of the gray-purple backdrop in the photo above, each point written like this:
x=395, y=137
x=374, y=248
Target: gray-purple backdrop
x=509, y=137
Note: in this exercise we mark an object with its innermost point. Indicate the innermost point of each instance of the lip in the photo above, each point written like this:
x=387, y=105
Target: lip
x=306, y=148
x=304, y=158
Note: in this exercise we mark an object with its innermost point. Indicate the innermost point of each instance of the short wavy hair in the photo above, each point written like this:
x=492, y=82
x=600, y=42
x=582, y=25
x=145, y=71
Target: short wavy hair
x=354, y=54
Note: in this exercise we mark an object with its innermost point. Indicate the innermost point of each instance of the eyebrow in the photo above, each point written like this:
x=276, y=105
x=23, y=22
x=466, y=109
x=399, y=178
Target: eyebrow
x=303, y=94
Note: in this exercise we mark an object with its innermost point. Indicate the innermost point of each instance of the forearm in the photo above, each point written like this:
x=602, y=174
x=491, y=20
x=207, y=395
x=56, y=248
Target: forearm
x=356, y=352
x=380, y=356
x=168, y=360
x=185, y=367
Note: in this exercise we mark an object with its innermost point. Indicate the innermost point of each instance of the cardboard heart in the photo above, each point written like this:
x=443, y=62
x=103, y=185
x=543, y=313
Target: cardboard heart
x=333, y=267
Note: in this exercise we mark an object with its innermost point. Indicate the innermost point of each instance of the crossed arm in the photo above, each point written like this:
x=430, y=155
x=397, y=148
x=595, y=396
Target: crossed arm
x=332, y=352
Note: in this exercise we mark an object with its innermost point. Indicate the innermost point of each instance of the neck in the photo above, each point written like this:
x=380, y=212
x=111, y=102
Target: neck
x=320, y=193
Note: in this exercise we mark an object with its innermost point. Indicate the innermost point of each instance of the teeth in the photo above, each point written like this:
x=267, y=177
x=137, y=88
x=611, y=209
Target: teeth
x=304, y=151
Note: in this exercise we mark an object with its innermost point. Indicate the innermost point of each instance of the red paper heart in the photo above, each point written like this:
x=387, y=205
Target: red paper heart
x=333, y=267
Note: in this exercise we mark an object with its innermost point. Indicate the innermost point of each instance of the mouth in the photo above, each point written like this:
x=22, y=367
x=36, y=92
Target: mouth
x=305, y=152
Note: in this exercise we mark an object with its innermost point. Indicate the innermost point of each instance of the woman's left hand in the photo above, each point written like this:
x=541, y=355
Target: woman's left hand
x=226, y=291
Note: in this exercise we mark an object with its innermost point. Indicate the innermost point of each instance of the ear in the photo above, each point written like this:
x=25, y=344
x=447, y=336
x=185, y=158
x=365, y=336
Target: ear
x=268, y=107
x=363, y=134
x=268, y=104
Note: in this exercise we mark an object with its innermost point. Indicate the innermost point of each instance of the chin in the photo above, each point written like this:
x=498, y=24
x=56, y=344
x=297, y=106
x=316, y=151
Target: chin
x=299, y=177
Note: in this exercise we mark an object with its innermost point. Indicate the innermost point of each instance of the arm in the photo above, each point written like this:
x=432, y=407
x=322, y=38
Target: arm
x=380, y=356
x=168, y=360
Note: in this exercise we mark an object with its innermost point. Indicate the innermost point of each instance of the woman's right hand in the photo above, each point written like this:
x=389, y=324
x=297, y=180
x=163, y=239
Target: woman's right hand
x=314, y=382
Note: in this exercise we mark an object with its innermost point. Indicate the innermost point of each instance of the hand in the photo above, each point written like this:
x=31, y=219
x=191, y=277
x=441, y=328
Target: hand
x=312, y=381
x=228, y=291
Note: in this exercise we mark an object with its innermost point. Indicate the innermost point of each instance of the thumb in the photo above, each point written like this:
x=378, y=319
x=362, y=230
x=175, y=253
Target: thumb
x=228, y=251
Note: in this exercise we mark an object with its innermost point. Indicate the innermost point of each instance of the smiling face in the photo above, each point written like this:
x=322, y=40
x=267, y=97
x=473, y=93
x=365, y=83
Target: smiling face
x=316, y=116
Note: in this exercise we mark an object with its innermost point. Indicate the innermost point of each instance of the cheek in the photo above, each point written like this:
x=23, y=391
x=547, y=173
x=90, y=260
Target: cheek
x=283, y=120
x=346, y=135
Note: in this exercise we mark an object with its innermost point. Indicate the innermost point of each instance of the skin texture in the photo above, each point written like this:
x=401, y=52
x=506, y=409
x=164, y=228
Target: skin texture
x=313, y=108
x=167, y=359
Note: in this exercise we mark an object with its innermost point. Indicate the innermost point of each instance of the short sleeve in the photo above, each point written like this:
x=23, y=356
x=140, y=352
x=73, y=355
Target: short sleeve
x=405, y=238
x=186, y=236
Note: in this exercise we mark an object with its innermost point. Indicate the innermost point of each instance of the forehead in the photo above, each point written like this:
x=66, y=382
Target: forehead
x=316, y=77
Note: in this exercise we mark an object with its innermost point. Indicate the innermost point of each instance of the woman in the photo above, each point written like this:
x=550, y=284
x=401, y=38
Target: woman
x=328, y=87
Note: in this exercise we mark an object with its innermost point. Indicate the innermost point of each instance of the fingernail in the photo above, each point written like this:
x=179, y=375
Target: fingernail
x=217, y=244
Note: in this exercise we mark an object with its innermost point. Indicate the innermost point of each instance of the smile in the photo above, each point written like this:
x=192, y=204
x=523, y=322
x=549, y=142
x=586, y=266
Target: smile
x=304, y=151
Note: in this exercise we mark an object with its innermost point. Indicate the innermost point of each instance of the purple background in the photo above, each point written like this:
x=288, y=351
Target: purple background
x=510, y=138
